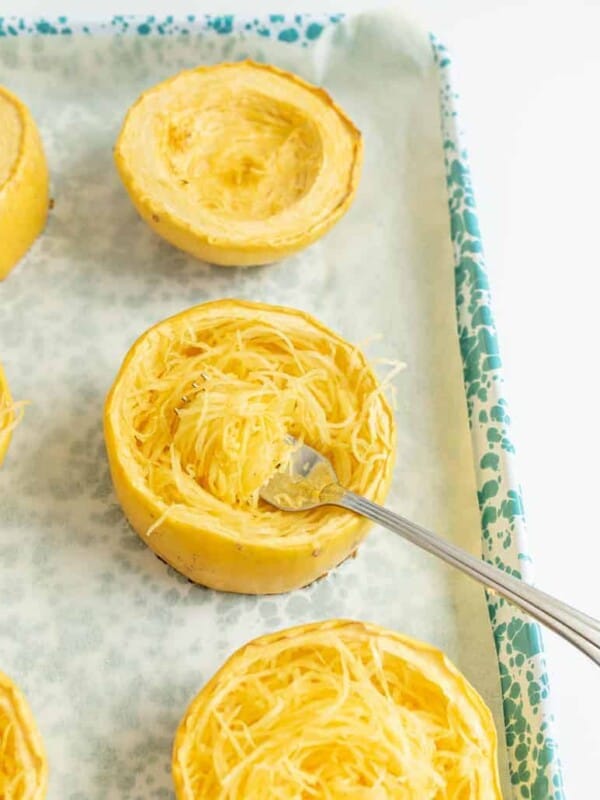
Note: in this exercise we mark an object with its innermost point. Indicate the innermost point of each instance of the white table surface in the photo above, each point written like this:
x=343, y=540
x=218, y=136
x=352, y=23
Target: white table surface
x=528, y=74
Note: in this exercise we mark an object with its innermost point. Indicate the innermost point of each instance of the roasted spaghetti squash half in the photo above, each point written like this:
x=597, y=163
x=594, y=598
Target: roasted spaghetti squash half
x=335, y=710
x=197, y=421
x=23, y=766
x=23, y=181
x=239, y=163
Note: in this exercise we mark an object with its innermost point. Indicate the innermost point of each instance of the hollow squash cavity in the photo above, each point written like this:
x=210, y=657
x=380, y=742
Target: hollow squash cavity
x=247, y=157
x=239, y=164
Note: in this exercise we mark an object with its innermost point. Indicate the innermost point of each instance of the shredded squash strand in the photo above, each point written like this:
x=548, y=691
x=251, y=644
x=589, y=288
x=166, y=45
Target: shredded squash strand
x=12, y=770
x=210, y=405
x=11, y=415
x=333, y=714
x=241, y=155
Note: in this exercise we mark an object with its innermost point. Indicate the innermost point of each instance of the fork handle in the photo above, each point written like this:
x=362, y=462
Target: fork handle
x=576, y=627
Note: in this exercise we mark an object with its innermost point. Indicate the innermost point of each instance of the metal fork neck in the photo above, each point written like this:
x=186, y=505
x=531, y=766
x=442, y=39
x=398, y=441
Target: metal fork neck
x=578, y=628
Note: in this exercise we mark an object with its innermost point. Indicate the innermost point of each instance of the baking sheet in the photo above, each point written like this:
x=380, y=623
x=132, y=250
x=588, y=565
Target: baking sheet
x=109, y=643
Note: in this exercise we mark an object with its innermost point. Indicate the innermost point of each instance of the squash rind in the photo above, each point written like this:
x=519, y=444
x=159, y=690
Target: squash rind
x=24, y=193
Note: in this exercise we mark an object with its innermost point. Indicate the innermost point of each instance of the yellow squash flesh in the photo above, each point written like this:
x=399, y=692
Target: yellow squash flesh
x=239, y=164
x=337, y=709
x=23, y=765
x=23, y=182
x=6, y=415
x=196, y=422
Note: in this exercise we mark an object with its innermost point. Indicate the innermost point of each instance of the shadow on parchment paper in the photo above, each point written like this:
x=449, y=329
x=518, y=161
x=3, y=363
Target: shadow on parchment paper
x=95, y=223
x=135, y=764
x=98, y=232
x=66, y=489
x=64, y=481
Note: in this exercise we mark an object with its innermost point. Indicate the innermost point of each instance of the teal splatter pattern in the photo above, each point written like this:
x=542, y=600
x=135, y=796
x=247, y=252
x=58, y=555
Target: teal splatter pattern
x=533, y=757
x=293, y=28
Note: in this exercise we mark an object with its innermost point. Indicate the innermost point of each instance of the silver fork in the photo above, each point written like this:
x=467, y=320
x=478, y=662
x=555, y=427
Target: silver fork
x=308, y=480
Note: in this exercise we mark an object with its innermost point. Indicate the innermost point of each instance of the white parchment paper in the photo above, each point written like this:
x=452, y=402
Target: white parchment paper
x=108, y=643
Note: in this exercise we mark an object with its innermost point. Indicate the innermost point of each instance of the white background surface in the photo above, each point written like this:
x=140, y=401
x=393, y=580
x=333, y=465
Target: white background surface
x=528, y=73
